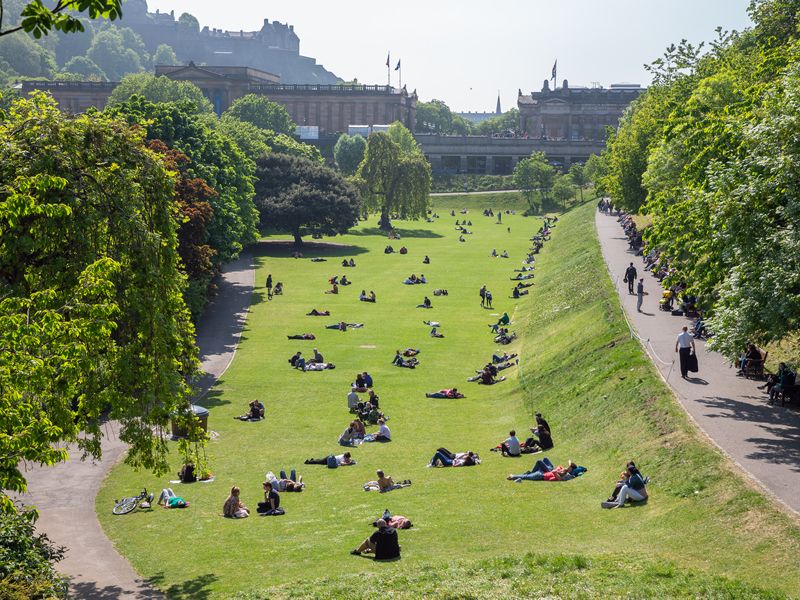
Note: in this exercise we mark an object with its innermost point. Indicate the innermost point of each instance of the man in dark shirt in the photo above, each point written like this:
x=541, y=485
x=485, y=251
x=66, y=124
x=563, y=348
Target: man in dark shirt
x=383, y=542
x=272, y=500
x=630, y=277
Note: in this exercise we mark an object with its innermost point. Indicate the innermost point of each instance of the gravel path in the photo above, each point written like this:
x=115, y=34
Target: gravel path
x=763, y=440
x=65, y=494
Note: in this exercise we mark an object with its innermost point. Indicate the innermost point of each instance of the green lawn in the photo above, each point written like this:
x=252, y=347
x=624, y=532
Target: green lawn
x=704, y=532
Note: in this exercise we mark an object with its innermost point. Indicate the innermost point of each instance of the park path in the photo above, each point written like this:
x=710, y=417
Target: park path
x=65, y=494
x=763, y=440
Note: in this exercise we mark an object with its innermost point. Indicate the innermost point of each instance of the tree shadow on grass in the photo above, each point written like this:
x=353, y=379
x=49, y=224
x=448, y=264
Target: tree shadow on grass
x=404, y=233
x=285, y=248
x=191, y=589
x=213, y=398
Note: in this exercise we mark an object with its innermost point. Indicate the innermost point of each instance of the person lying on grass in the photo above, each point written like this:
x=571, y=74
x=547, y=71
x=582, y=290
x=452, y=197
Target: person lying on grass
x=426, y=303
x=385, y=483
x=254, y=413
x=630, y=487
x=432, y=323
x=319, y=366
x=436, y=334
x=450, y=393
x=521, y=285
x=445, y=458
x=383, y=543
x=342, y=460
x=516, y=293
x=343, y=326
x=504, y=337
x=168, y=499
x=409, y=363
x=502, y=358
x=302, y=336
x=543, y=470
x=318, y=313
x=271, y=506
x=233, y=507
x=334, y=289
x=487, y=377
x=440, y=292
x=292, y=483
x=522, y=277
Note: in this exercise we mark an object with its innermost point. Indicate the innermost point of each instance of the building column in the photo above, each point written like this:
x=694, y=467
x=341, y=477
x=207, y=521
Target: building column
x=489, y=165
x=462, y=167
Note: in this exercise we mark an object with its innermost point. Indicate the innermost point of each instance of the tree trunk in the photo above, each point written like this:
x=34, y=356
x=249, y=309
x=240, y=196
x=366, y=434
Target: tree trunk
x=298, y=241
x=385, y=224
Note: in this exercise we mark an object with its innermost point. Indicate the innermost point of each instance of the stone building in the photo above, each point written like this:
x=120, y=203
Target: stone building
x=275, y=48
x=574, y=114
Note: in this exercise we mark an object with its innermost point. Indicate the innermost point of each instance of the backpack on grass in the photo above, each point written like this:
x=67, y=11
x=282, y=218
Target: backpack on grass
x=332, y=462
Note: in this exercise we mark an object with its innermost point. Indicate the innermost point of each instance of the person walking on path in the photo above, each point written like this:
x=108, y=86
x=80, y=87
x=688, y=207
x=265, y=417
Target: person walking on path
x=630, y=277
x=269, y=286
x=640, y=293
x=684, y=346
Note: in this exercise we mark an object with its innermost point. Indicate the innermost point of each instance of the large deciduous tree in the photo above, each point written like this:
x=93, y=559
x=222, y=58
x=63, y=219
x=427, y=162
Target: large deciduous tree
x=159, y=89
x=534, y=174
x=92, y=316
x=349, y=152
x=296, y=194
x=262, y=112
x=393, y=181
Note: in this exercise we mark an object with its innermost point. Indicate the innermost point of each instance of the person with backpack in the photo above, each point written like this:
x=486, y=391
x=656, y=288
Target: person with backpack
x=630, y=278
x=383, y=543
x=332, y=461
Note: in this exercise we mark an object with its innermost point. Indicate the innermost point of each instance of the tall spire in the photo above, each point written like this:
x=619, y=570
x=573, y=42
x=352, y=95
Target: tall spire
x=497, y=110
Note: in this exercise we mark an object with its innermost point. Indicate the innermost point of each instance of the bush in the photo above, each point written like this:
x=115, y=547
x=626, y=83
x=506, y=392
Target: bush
x=27, y=559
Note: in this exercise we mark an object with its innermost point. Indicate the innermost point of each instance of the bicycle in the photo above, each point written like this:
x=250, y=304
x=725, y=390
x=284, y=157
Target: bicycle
x=129, y=504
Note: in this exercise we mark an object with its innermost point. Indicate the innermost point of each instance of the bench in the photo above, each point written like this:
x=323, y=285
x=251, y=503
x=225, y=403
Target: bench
x=790, y=394
x=755, y=367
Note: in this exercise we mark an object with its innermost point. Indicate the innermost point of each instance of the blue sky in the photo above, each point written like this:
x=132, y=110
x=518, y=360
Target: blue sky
x=464, y=51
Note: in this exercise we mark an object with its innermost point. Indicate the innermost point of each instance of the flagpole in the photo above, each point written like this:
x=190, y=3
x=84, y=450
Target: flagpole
x=400, y=76
x=389, y=69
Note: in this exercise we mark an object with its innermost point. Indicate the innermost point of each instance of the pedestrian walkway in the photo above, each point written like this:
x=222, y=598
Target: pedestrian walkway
x=65, y=494
x=763, y=440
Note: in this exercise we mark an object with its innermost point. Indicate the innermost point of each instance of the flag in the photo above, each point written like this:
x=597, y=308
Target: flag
x=555, y=70
x=397, y=68
x=387, y=60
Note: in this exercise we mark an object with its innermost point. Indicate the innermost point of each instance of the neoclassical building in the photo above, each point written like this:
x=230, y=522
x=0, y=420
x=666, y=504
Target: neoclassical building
x=574, y=114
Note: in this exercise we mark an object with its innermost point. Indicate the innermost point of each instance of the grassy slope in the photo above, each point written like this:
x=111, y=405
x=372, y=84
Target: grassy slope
x=579, y=367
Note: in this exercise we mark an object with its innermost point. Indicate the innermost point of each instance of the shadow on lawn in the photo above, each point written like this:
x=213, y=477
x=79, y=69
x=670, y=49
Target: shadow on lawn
x=191, y=589
x=404, y=233
x=285, y=248
x=88, y=590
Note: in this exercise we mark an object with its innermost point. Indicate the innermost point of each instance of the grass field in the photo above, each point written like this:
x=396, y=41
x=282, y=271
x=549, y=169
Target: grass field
x=704, y=532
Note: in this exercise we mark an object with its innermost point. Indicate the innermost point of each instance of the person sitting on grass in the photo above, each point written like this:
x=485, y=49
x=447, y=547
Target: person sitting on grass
x=516, y=293
x=450, y=393
x=334, y=289
x=317, y=357
x=359, y=430
x=363, y=296
x=388, y=249
x=345, y=263
x=385, y=483
x=440, y=292
x=347, y=438
x=504, y=337
x=543, y=439
x=302, y=336
x=411, y=280
x=501, y=358
x=426, y=260
x=271, y=506
x=233, y=507
x=278, y=290
x=352, y=400
x=399, y=361
x=504, y=254
x=297, y=361
x=187, y=473
x=461, y=238
x=344, y=280
x=511, y=447
x=293, y=483
x=436, y=334
x=318, y=313
x=342, y=460
x=255, y=412
x=504, y=320
x=360, y=383
x=426, y=303
x=383, y=543
x=632, y=488
x=445, y=458
x=403, y=250
x=382, y=435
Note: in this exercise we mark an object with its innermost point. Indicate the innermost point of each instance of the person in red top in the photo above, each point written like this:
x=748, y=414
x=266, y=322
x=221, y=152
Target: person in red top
x=446, y=393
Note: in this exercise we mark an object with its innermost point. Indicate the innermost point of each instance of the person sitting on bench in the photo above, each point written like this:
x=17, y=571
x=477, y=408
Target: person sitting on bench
x=450, y=393
x=255, y=413
x=318, y=313
x=383, y=543
x=751, y=356
x=426, y=303
x=302, y=336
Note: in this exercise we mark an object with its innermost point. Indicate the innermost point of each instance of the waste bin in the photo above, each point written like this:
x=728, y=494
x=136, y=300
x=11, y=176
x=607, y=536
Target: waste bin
x=200, y=412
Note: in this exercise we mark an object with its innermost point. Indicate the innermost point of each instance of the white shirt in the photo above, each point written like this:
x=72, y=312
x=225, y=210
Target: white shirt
x=684, y=340
x=352, y=399
x=513, y=445
x=384, y=432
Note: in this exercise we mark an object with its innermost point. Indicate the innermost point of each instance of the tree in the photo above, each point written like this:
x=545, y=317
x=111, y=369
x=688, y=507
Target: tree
x=349, y=152
x=436, y=117
x=263, y=113
x=255, y=141
x=102, y=326
x=393, y=182
x=112, y=52
x=595, y=170
x=80, y=65
x=20, y=55
x=295, y=194
x=165, y=55
x=563, y=189
x=534, y=174
x=401, y=136
x=577, y=175
x=160, y=89
x=508, y=121
x=38, y=19
x=189, y=23
x=215, y=158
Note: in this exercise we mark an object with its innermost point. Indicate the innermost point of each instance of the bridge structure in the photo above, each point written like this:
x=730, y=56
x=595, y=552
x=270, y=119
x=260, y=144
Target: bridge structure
x=489, y=155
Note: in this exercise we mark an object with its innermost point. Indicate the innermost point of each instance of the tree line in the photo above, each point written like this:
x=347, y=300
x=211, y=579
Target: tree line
x=711, y=153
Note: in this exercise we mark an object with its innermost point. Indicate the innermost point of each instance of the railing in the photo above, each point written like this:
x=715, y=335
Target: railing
x=331, y=89
x=66, y=85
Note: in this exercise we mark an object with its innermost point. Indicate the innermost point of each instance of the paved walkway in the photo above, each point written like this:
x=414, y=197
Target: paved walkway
x=65, y=494
x=762, y=440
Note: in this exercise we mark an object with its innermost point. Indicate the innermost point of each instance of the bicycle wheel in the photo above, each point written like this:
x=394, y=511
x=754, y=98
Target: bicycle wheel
x=125, y=506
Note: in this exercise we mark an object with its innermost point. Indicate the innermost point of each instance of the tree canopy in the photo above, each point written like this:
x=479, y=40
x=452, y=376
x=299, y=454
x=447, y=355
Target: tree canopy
x=349, y=152
x=103, y=325
x=393, y=181
x=38, y=18
x=159, y=89
x=263, y=113
x=296, y=194
x=534, y=175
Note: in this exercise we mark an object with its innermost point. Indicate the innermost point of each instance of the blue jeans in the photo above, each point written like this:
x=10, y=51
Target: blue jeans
x=443, y=458
x=532, y=476
x=293, y=475
x=544, y=465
